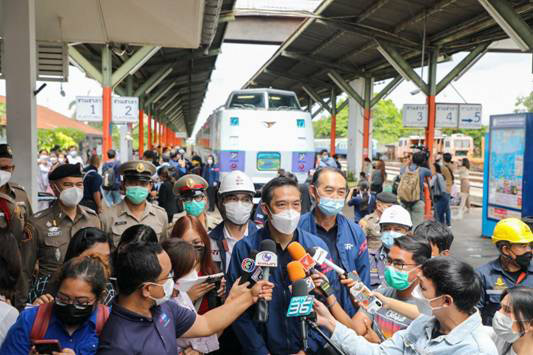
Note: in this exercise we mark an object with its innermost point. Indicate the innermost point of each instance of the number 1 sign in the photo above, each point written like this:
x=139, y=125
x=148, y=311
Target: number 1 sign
x=124, y=109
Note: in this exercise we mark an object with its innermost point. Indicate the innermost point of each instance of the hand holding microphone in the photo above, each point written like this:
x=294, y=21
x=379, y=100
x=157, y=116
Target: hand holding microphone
x=266, y=259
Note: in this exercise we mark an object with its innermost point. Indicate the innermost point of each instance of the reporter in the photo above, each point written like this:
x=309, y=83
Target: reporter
x=448, y=292
x=74, y=319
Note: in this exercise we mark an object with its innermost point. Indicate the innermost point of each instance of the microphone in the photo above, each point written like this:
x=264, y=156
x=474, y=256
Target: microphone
x=301, y=306
x=297, y=252
x=297, y=272
x=266, y=259
x=319, y=255
x=251, y=272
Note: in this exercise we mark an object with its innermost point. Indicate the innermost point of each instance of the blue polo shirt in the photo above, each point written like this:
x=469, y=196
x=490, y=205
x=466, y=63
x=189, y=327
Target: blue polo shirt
x=130, y=333
x=83, y=341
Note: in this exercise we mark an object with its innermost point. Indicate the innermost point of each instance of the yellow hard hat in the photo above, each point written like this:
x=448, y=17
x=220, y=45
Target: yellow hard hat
x=513, y=231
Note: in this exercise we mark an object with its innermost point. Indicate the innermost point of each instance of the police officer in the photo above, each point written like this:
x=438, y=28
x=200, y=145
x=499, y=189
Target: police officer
x=15, y=210
x=191, y=190
x=134, y=208
x=50, y=230
x=372, y=230
x=514, y=239
x=235, y=203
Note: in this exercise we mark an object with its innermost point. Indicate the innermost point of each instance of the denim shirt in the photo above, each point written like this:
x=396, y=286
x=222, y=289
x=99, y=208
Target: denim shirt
x=467, y=338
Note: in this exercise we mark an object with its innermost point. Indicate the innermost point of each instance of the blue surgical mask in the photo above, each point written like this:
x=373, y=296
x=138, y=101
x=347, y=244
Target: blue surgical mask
x=387, y=238
x=330, y=206
x=194, y=208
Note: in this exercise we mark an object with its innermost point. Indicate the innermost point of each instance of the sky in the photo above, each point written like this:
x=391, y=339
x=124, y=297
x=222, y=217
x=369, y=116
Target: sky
x=495, y=81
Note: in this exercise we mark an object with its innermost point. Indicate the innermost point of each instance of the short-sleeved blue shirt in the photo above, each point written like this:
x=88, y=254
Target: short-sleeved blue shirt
x=130, y=333
x=83, y=341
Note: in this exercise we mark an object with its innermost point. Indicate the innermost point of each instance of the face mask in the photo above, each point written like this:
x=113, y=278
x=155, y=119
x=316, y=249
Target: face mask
x=73, y=154
x=5, y=176
x=61, y=160
x=286, y=221
x=209, y=161
x=136, y=194
x=43, y=157
x=325, y=157
x=168, y=288
x=69, y=314
x=523, y=260
x=194, y=208
x=398, y=280
x=185, y=283
x=238, y=212
x=71, y=197
x=422, y=303
x=330, y=206
x=503, y=327
x=53, y=160
x=387, y=238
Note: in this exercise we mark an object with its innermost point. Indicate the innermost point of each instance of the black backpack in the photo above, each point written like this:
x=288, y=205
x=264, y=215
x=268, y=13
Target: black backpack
x=108, y=178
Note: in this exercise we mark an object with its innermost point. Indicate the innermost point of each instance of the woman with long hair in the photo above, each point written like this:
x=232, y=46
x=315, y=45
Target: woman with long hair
x=191, y=230
x=464, y=177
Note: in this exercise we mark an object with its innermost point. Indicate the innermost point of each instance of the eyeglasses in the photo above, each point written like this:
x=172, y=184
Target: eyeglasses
x=197, y=198
x=397, y=264
x=78, y=302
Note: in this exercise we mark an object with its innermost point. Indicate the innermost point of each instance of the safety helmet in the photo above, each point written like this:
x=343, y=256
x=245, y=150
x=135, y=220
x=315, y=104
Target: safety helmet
x=396, y=215
x=512, y=230
x=236, y=181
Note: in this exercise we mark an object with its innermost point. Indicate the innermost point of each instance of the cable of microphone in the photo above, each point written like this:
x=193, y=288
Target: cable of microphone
x=320, y=256
x=251, y=272
x=301, y=306
x=266, y=259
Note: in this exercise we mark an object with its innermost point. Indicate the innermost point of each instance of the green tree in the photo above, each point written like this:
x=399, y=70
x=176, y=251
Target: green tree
x=64, y=137
x=524, y=103
x=322, y=127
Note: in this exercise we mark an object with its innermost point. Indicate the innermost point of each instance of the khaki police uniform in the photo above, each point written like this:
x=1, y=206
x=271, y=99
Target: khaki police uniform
x=119, y=217
x=50, y=232
x=190, y=186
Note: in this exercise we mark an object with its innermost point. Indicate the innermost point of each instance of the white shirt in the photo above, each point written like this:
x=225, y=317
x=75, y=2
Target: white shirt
x=231, y=243
x=8, y=317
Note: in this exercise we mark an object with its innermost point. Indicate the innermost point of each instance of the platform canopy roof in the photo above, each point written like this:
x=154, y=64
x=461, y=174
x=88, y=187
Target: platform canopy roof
x=353, y=38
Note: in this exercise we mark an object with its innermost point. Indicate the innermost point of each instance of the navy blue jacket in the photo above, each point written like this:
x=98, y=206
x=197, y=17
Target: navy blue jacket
x=281, y=334
x=211, y=173
x=217, y=235
x=353, y=253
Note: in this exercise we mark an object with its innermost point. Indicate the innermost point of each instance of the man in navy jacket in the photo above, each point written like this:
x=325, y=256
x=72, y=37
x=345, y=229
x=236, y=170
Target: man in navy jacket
x=344, y=238
x=280, y=334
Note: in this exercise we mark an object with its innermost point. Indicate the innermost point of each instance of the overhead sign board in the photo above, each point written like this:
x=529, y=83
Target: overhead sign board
x=415, y=115
x=447, y=116
x=123, y=109
x=470, y=116
x=89, y=108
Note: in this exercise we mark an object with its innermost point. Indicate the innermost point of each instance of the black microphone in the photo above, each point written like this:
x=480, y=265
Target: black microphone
x=301, y=306
x=250, y=271
x=266, y=259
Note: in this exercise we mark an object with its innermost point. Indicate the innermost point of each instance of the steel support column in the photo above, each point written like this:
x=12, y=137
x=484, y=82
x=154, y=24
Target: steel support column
x=432, y=108
x=141, y=128
x=333, y=132
x=339, y=81
x=317, y=98
x=106, y=100
x=367, y=116
x=132, y=64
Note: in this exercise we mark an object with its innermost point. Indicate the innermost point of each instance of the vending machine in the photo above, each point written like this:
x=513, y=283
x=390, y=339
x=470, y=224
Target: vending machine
x=508, y=170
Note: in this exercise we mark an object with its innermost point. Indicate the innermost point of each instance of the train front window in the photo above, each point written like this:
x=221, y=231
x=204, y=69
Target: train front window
x=248, y=100
x=282, y=102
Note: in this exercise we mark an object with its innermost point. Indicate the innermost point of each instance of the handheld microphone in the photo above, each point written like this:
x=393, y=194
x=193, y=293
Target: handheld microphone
x=297, y=272
x=319, y=255
x=251, y=272
x=266, y=259
x=301, y=306
x=297, y=252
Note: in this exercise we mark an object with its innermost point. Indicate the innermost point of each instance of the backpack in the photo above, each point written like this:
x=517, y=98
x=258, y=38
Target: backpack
x=409, y=187
x=436, y=189
x=44, y=314
x=108, y=178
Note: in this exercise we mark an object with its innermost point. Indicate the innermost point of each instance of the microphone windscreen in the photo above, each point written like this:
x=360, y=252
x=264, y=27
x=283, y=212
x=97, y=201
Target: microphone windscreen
x=296, y=271
x=299, y=288
x=267, y=245
x=296, y=250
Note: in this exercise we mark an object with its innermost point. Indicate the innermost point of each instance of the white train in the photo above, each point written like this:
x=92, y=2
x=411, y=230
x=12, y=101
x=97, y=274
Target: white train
x=259, y=131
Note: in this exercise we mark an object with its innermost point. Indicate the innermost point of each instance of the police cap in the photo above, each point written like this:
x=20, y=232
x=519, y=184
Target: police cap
x=190, y=185
x=65, y=170
x=387, y=197
x=137, y=170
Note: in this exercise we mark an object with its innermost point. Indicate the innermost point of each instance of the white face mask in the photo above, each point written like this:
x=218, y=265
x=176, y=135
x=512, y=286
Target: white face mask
x=238, y=212
x=422, y=303
x=71, y=197
x=5, y=176
x=503, y=327
x=185, y=283
x=286, y=221
x=209, y=161
x=168, y=288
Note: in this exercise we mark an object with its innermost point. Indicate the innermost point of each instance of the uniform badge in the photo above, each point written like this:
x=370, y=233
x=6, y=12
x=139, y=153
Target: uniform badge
x=189, y=183
x=140, y=167
x=58, y=254
x=28, y=232
x=54, y=231
x=348, y=246
x=499, y=284
x=120, y=223
x=48, y=224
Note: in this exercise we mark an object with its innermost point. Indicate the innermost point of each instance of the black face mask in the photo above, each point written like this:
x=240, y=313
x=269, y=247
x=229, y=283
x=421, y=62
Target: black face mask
x=200, y=249
x=523, y=260
x=70, y=315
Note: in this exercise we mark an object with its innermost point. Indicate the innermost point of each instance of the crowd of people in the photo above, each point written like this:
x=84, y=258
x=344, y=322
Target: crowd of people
x=127, y=259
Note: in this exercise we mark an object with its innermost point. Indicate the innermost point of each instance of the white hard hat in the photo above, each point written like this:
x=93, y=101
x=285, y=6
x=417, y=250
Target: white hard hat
x=396, y=214
x=236, y=181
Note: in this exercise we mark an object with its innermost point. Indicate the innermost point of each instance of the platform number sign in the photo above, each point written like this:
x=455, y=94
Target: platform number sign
x=470, y=116
x=300, y=123
x=300, y=306
x=123, y=109
x=234, y=121
x=447, y=115
x=415, y=115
